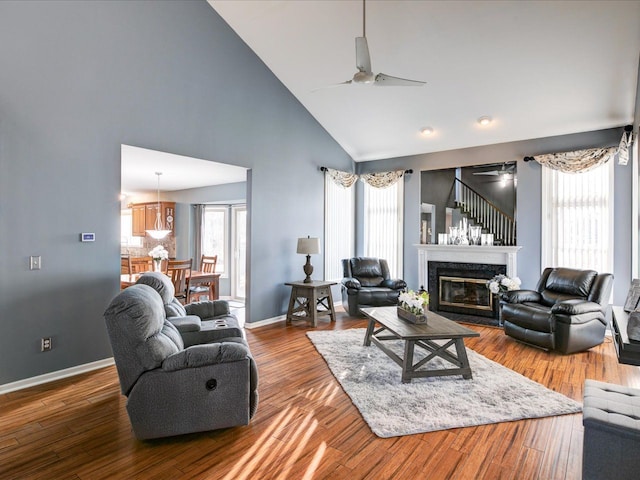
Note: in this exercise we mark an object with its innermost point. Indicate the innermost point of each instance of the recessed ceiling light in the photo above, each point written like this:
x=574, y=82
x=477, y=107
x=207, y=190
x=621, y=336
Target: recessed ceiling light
x=426, y=131
x=485, y=120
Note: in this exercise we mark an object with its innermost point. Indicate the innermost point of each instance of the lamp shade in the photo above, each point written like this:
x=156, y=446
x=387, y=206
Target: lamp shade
x=308, y=246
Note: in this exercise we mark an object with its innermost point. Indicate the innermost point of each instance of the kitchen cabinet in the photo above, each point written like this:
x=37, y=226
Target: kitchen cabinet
x=138, y=220
x=143, y=217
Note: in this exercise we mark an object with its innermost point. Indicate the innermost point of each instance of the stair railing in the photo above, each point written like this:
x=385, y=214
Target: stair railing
x=484, y=213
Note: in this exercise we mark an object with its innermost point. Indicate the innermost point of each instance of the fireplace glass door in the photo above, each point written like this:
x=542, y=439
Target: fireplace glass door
x=465, y=293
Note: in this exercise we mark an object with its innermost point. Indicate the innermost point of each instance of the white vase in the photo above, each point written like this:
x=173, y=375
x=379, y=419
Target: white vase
x=157, y=265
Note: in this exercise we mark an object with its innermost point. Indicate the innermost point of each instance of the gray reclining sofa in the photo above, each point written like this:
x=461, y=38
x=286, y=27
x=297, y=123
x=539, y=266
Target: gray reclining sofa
x=172, y=389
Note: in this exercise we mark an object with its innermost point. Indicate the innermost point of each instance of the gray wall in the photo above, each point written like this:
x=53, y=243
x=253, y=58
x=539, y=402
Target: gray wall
x=528, y=201
x=78, y=79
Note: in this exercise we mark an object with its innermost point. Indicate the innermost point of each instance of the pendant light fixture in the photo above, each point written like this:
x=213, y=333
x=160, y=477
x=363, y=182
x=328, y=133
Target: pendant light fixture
x=158, y=231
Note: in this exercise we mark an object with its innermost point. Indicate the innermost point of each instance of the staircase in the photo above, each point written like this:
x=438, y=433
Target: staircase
x=482, y=212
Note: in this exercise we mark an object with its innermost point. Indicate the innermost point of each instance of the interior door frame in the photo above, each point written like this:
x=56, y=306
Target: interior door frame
x=236, y=255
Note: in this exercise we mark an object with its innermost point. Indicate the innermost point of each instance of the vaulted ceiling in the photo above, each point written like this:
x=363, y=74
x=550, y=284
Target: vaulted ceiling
x=537, y=68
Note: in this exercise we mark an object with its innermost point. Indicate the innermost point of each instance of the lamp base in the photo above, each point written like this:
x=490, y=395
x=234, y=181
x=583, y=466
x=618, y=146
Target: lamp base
x=308, y=270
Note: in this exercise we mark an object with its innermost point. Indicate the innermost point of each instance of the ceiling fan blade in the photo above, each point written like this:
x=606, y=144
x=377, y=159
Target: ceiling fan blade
x=348, y=82
x=492, y=172
x=363, y=60
x=388, y=80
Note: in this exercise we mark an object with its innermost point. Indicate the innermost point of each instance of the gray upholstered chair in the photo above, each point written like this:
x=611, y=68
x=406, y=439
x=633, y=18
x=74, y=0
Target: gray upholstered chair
x=566, y=311
x=172, y=390
x=611, y=432
x=199, y=322
x=367, y=283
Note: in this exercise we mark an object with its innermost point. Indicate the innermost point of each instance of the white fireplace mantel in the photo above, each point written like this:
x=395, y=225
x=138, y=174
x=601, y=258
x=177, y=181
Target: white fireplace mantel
x=493, y=255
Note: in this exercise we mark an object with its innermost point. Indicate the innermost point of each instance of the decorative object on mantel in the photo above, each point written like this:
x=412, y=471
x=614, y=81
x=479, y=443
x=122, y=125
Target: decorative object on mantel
x=465, y=234
x=413, y=306
x=158, y=254
x=308, y=246
x=158, y=231
x=486, y=239
x=502, y=283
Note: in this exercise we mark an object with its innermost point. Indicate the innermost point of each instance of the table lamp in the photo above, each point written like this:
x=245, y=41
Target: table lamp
x=308, y=246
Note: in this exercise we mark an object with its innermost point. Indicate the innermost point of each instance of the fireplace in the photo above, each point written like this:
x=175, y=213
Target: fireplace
x=474, y=265
x=462, y=287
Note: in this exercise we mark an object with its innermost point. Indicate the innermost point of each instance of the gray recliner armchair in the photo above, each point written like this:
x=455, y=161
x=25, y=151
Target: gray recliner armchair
x=172, y=390
x=367, y=283
x=198, y=322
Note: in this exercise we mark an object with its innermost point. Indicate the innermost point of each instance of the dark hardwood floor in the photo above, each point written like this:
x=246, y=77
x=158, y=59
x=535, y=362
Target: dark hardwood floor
x=305, y=428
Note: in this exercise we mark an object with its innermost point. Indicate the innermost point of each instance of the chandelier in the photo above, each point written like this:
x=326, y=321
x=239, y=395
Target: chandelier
x=158, y=231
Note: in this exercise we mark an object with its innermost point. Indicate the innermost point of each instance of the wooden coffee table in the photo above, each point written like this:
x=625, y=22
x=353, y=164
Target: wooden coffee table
x=423, y=336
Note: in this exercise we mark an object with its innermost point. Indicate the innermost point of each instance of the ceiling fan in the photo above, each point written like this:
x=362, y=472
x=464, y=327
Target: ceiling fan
x=504, y=170
x=364, y=75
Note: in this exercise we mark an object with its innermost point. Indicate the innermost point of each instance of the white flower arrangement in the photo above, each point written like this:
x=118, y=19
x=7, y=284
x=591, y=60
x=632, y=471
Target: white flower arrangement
x=413, y=302
x=502, y=283
x=159, y=253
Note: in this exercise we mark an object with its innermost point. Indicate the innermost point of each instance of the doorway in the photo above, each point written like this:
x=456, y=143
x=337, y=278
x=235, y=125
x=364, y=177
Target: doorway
x=188, y=182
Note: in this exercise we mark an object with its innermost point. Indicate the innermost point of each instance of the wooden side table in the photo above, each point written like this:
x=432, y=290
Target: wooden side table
x=309, y=301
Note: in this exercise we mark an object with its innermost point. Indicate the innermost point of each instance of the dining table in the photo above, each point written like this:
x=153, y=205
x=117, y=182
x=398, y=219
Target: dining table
x=194, y=278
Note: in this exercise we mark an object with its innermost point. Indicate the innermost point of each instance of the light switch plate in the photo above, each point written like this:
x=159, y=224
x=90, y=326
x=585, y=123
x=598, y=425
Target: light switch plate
x=35, y=262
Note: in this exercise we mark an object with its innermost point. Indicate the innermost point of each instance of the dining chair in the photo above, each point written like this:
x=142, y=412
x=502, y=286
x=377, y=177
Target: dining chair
x=141, y=264
x=203, y=289
x=179, y=272
x=125, y=265
x=208, y=264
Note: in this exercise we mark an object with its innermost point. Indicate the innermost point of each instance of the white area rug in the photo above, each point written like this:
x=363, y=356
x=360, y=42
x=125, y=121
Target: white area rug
x=391, y=408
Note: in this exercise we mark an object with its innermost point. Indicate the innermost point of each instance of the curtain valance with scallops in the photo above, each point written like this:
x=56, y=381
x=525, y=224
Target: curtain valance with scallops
x=377, y=180
x=577, y=161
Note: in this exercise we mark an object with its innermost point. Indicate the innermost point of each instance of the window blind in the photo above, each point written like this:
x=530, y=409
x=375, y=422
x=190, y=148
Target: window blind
x=577, y=229
x=339, y=228
x=383, y=209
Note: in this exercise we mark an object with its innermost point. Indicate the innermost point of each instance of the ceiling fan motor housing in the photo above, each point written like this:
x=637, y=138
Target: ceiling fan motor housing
x=364, y=77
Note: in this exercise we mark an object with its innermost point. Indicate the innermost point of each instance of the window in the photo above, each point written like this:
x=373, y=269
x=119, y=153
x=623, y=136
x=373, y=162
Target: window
x=126, y=230
x=577, y=227
x=214, y=235
x=383, y=225
x=338, y=227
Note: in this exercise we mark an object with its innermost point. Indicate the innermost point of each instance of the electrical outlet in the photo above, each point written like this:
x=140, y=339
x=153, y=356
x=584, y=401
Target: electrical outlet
x=45, y=344
x=35, y=262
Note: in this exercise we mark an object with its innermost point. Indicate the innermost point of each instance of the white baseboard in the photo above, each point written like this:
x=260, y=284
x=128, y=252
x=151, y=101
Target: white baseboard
x=50, y=377
x=337, y=307
x=267, y=321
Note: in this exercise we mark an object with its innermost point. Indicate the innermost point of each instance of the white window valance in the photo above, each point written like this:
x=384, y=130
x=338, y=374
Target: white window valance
x=344, y=179
x=382, y=179
x=577, y=161
x=377, y=180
